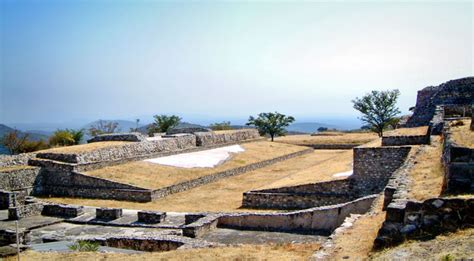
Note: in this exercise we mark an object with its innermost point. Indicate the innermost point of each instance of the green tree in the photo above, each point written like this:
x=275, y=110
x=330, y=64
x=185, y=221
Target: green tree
x=77, y=135
x=103, y=127
x=225, y=125
x=271, y=123
x=17, y=142
x=61, y=138
x=163, y=123
x=378, y=109
x=14, y=141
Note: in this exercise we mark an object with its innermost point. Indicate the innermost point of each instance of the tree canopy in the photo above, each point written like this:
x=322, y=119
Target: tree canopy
x=269, y=123
x=163, y=123
x=378, y=108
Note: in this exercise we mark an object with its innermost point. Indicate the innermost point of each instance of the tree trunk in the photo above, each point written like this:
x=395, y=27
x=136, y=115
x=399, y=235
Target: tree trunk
x=271, y=135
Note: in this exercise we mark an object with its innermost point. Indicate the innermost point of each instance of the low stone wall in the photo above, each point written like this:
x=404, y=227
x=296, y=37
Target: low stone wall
x=131, y=150
x=108, y=213
x=324, y=219
x=213, y=138
x=374, y=166
x=406, y=140
x=17, y=179
x=8, y=236
x=151, y=217
x=22, y=211
x=187, y=130
x=418, y=220
x=15, y=160
x=133, y=137
x=201, y=225
x=301, y=197
x=459, y=166
x=159, y=193
x=330, y=146
x=58, y=210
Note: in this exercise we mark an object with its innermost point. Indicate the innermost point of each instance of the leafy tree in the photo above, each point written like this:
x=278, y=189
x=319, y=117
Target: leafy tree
x=30, y=146
x=225, y=125
x=77, y=135
x=14, y=141
x=17, y=142
x=378, y=109
x=271, y=123
x=103, y=127
x=62, y=138
x=163, y=123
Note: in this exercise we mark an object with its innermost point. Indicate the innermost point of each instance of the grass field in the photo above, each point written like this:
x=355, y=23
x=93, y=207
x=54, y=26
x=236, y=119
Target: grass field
x=329, y=138
x=226, y=194
x=407, y=131
x=84, y=147
x=426, y=176
x=244, y=252
x=462, y=135
x=153, y=176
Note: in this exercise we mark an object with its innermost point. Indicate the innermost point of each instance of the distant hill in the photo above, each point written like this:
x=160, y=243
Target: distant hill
x=32, y=135
x=307, y=127
x=4, y=129
x=144, y=129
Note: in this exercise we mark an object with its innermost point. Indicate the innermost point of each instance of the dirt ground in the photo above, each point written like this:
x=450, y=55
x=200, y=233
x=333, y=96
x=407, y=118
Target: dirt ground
x=329, y=138
x=407, y=131
x=426, y=176
x=244, y=252
x=226, y=194
x=462, y=135
x=153, y=176
x=84, y=147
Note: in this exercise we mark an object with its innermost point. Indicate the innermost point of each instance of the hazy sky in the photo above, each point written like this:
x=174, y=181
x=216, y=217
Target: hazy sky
x=66, y=60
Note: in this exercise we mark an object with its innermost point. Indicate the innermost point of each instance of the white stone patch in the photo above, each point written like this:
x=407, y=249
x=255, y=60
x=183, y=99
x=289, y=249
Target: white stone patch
x=200, y=159
x=343, y=174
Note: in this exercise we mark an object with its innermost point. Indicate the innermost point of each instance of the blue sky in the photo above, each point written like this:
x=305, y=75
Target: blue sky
x=80, y=60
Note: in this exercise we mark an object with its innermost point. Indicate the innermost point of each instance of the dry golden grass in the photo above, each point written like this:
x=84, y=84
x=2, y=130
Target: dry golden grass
x=452, y=246
x=329, y=138
x=408, y=131
x=462, y=135
x=426, y=176
x=226, y=194
x=9, y=168
x=356, y=242
x=153, y=176
x=244, y=252
x=84, y=147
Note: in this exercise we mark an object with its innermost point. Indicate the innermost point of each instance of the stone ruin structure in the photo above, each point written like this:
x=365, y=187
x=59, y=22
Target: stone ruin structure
x=455, y=96
x=309, y=208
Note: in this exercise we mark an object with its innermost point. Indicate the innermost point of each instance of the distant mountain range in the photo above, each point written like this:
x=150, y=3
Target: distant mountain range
x=308, y=127
x=32, y=135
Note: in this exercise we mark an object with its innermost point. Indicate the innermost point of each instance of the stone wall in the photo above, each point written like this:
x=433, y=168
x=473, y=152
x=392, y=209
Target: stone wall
x=59, y=210
x=301, y=197
x=437, y=122
x=18, y=179
x=455, y=92
x=27, y=210
x=415, y=220
x=405, y=140
x=212, y=138
x=187, y=130
x=133, y=137
x=373, y=167
x=459, y=166
x=131, y=150
x=15, y=160
x=323, y=219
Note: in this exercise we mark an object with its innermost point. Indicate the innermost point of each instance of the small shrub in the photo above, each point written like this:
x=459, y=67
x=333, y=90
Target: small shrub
x=61, y=138
x=447, y=257
x=225, y=125
x=84, y=246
